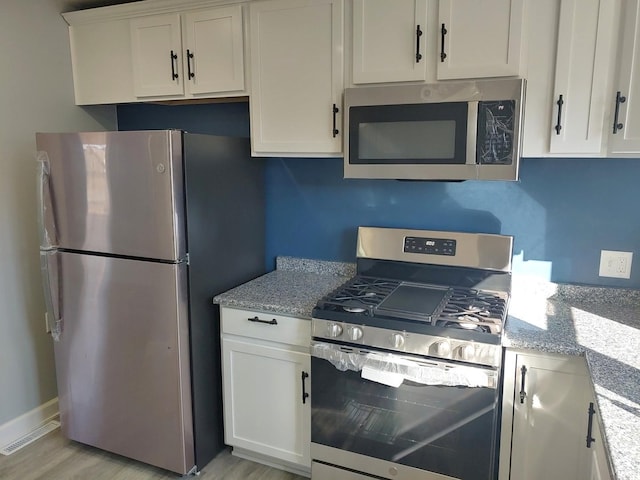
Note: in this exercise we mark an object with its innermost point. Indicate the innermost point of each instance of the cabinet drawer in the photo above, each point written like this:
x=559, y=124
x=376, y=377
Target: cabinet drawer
x=266, y=326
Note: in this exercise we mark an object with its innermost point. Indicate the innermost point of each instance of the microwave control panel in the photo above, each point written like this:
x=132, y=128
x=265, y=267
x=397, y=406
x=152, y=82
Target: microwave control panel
x=496, y=123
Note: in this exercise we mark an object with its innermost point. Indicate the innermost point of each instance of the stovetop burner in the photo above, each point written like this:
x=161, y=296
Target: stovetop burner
x=433, y=294
x=443, y=306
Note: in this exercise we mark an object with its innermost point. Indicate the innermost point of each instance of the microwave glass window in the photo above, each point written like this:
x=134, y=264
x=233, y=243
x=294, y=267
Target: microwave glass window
x=424, y=133
x=406, y=140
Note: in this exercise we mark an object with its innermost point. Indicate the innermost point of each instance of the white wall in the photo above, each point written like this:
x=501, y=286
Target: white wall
x=36, y=94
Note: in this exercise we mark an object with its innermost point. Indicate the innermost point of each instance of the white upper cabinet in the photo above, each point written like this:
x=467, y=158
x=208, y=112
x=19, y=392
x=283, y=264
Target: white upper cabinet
x=389, y=40
x=214, y=50
x=583, y=65
x=157, y=55
x=296, y=77
x=479, y=38
x=132, y=52
x=205, y=56
x=101, y=61
x=625, y=99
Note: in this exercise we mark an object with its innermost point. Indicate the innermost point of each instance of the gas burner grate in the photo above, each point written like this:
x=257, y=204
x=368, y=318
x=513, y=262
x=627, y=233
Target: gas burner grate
x=462, y=308
x=359, y=295
x=476, y=310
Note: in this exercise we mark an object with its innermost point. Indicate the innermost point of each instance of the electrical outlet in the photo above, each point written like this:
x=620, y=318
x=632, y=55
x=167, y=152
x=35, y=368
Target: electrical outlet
x=615, y=264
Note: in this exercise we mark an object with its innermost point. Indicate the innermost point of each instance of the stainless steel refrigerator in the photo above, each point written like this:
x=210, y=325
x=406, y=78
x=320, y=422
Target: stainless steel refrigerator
x=139, y=231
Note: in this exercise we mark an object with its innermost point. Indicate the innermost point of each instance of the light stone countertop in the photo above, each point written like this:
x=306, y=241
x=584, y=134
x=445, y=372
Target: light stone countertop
x=602, y=324
x=293, y=288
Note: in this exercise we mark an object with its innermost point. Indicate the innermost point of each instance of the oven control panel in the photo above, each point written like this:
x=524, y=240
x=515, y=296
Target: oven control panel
x=407, y=342
x=431, y=246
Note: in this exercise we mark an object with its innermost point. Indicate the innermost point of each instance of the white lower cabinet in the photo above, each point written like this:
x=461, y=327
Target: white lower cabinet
x=599, y=464
x=266, y=385
x=546, y=417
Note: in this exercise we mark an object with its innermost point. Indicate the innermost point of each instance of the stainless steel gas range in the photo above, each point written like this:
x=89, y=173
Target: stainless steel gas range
x=406, y=359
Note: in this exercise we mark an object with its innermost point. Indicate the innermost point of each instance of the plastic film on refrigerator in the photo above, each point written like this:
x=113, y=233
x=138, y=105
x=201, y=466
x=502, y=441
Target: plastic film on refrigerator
x=46, y=223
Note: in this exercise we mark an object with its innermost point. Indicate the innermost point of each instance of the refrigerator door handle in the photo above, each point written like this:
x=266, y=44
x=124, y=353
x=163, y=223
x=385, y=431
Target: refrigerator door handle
x=46, y=216
x=50, y=266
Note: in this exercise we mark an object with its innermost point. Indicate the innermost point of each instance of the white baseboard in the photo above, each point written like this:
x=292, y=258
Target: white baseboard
x=28, y=422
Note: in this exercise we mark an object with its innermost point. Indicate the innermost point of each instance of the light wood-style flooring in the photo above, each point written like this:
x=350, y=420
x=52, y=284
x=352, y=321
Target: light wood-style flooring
x=53, y=457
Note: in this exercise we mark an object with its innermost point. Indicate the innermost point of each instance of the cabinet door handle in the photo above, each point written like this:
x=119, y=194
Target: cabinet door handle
x=335, y=111
x=273, y=321
x=558, y=126
x=174, y=58
x=418, y=35
x=618, y=125
x=523, y=394
x=305, y=395
x=189, y=58
x=443, y=32
x=590, y=438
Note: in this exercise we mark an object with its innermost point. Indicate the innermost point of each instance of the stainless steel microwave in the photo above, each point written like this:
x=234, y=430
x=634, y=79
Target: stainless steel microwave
x=443, y=131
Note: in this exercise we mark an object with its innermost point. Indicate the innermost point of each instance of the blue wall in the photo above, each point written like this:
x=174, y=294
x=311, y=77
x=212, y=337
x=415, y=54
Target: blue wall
x=562, y=212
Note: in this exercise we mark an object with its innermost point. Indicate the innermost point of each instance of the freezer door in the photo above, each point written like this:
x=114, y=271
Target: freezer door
x=122, y=358
x=113, y=192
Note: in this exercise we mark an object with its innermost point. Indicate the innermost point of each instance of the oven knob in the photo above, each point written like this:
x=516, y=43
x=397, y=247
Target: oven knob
x=466, y=352
x=397, y=340
x=334, y=330
x=442, y=349
x=355, y=333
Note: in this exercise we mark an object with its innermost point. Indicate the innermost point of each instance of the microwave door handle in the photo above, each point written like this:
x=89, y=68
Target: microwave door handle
x=472, y=133
x=49, y=264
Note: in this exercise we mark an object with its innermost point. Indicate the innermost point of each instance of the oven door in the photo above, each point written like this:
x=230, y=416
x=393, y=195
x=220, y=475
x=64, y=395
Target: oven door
x=393, y=416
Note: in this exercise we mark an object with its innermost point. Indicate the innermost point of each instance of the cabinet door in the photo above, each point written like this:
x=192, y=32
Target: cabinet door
x=599, y=467
x=389, y=40
x=296, y=76
x=550, y=412
x=583, y=64
x=264, y=409
x=626, y=138
x=157, y=55
x=214, y=50
x=101, y=59
x=479, y=38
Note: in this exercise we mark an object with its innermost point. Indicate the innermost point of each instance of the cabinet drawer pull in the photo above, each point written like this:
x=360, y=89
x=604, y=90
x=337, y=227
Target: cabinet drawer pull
x=174, y=58
x=418, y=35
x=590, y=438
x=335, y=111
x=443, y=32
x=305, y=395
x=273, y=321
x=618, y=125
x=190, y=73
x=523, y=394
x=558, y=126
